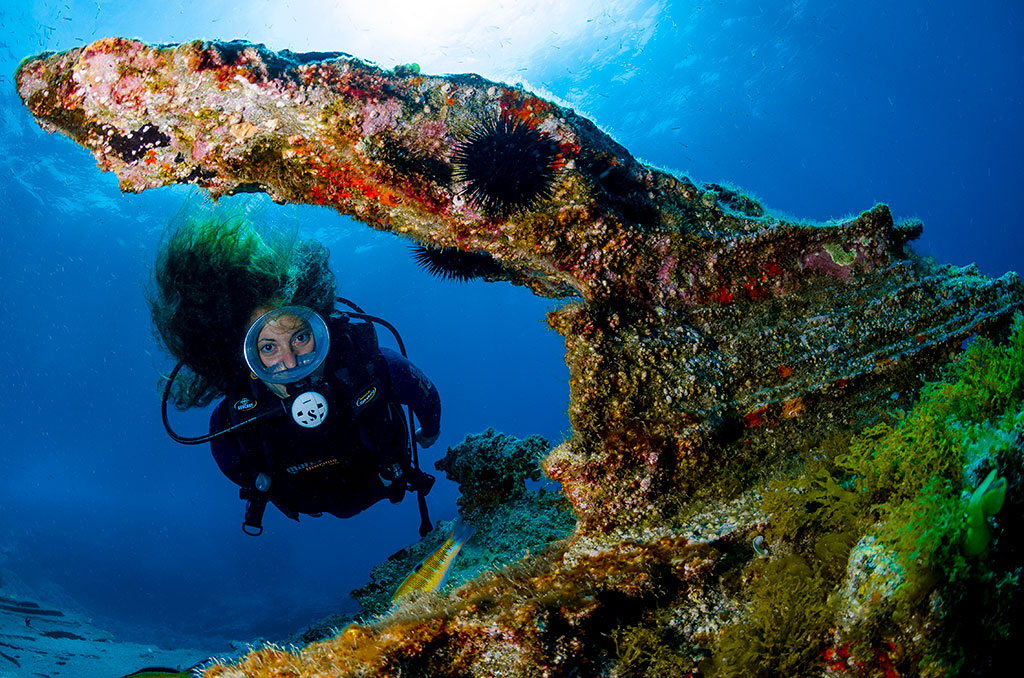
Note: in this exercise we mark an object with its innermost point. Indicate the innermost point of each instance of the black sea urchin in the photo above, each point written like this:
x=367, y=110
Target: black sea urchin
x=454, y=264
x=507, y=165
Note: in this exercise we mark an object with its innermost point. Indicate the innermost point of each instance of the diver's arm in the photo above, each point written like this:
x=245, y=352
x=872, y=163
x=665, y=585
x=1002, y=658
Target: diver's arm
x=410, y=386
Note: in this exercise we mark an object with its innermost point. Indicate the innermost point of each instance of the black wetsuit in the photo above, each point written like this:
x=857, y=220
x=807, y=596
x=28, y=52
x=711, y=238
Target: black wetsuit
x=332, y=468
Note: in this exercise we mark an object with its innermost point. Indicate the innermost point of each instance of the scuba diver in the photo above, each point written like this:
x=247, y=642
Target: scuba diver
x=311, y=417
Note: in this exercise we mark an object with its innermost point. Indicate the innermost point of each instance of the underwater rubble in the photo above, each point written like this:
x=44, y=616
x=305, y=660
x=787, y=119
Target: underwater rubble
x=795, y=446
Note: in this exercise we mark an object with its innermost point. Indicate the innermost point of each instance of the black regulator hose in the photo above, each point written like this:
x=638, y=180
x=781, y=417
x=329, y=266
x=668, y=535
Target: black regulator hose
x=210, y=436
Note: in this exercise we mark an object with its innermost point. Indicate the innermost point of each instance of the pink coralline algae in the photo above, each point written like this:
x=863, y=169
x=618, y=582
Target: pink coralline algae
x=711, y=345
x=380, y=116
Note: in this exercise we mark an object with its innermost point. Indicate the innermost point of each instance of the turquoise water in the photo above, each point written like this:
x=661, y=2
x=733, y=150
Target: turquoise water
x=819, y=109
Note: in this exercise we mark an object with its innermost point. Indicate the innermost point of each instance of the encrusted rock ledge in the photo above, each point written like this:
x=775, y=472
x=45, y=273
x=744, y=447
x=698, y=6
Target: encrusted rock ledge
x=715, y=351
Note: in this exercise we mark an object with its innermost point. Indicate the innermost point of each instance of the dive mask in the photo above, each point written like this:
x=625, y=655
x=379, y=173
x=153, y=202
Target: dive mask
x=286, y=345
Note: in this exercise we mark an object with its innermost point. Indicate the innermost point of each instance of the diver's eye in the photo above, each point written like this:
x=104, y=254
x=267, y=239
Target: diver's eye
x=301, y=338
x=268, y=348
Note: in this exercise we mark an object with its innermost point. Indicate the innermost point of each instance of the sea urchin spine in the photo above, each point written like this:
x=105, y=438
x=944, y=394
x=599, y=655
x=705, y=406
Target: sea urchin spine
x=450, y=263
x=507, y=164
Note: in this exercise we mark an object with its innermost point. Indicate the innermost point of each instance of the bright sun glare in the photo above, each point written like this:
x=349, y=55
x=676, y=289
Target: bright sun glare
x=488, y=36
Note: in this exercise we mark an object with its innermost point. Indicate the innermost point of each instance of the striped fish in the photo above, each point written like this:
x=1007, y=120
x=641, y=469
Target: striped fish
x=432, y=571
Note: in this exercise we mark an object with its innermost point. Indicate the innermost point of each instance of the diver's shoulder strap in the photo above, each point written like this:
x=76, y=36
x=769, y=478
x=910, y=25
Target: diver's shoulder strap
x=424, y=481
x=240, y=404
x=357, y=365
x=253, y=457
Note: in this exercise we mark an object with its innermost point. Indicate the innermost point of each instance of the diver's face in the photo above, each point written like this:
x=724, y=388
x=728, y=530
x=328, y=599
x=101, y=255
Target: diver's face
x=283, y=340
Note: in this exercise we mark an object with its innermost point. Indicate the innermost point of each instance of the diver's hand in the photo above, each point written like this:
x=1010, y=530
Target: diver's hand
x=423, y=440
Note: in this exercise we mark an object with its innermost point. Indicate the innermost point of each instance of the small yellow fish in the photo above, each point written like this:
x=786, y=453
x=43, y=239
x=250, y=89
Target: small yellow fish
x=432, y=571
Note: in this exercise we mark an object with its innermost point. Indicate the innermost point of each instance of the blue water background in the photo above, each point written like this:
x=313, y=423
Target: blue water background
x=820, y=109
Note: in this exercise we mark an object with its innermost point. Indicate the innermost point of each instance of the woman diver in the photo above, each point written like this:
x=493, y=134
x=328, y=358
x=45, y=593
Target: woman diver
x=311, y=415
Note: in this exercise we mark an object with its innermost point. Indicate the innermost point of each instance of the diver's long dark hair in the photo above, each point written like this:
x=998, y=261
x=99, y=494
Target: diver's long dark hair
x=211, y=273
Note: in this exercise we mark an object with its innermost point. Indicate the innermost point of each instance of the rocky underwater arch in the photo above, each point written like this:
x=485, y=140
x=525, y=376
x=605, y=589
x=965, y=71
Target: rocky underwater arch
x=716, y=353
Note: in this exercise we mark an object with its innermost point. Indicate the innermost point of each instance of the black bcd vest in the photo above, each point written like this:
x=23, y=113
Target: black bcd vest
x=332, y=467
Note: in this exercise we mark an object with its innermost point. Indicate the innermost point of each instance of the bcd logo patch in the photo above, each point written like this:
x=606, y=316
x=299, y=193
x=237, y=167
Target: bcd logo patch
x=244, y=405
x=366, y=397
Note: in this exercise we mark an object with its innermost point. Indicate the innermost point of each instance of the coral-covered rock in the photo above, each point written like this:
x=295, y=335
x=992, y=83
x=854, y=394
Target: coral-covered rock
x=712, y=348
x=492, y=468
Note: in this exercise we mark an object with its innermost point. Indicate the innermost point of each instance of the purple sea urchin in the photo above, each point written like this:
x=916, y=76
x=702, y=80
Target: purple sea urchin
x=506, y=164
x=454, y=264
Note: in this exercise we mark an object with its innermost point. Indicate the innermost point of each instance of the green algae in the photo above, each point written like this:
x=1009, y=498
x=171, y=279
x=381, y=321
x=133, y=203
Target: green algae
x=922, y=486
x=985, y=502
x=839, y=255
x=651, y=649
x=787, y=623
